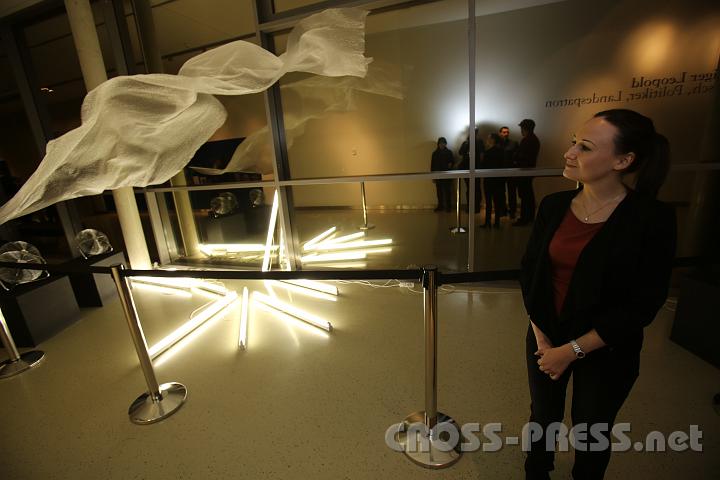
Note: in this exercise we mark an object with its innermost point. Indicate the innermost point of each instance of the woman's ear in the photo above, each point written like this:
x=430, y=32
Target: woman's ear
x=624, y=161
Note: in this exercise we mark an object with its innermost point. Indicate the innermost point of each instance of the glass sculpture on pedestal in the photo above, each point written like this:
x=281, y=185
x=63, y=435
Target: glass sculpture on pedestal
x=223, y=205
x=92, y=242
x=19, y=252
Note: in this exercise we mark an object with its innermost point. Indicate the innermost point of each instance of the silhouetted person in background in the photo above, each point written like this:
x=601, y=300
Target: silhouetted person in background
x=526, y=157
x=442, y=160
x=465, y=165
x=508, y=146
x=494, y=186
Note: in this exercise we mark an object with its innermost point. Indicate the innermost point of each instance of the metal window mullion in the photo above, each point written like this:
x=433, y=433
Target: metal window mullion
x=116, y=26
x=274, y=113
x=471, y=133
x=278, y=145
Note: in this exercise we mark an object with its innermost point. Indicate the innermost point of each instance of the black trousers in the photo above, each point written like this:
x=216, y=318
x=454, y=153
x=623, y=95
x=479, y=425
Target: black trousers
x=601, y=383
x=512, y=195
x=527, y=198
x=494, y=195
x=443, y=189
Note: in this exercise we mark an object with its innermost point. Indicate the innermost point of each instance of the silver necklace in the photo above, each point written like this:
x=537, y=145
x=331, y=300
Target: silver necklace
x=588, y=215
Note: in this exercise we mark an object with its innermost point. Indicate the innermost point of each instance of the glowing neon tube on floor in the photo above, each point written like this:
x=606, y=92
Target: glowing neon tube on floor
x=346, y=238
x=332, y=257
x=293, y=311
x=242, y=337
x=356, y=265
x=324, y=235
x=185, y=341
x=341, y=239
x=368, y=251
x=314, y=285
x=210, y=311
x=179, y=292
x=271, y=231
x=222, y=249
x=177, y=283
x=353, y=244
x=210, y=295
x=182, y=285
x=291, y=322
x=310, y=292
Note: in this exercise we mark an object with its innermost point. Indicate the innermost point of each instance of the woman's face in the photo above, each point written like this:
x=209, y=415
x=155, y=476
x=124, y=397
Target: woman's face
x=592, y=156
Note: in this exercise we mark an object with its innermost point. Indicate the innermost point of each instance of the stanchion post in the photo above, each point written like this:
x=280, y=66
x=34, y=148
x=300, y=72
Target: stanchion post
x=160, y=401
x=16, y=363
x=420, y=431
x=430, y=310
x=457, y=228
x=365, y=225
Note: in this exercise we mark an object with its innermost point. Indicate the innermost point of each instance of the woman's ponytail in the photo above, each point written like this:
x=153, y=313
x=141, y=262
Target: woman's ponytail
x=652, y=172
x=636, y=134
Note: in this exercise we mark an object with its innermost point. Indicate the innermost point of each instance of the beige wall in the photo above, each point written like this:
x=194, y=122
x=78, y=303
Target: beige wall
x=525, y=58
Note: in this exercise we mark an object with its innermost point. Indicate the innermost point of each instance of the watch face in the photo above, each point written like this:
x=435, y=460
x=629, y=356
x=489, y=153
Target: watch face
x=580, y=354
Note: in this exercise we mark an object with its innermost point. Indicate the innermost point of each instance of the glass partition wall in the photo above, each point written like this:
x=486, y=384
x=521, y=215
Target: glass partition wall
x=323, y=172
x=355, y=182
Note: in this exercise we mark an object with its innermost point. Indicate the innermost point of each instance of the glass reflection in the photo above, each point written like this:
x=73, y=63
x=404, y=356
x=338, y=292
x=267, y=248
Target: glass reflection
x=405, y=234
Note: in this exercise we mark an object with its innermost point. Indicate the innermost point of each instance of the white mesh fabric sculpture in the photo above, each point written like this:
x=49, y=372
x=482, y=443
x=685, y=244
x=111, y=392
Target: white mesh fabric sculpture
x=141, y=130
x=321, y=96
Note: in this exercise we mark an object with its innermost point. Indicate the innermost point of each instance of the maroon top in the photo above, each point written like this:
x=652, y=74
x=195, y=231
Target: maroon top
x=565, y=247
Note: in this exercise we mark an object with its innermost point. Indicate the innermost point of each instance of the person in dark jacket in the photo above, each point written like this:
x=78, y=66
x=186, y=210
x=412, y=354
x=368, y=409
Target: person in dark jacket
x=464, y=153
x=526, y=157
x=595, y=273
x=442, y=160
x=494, y=187
x=509, y=146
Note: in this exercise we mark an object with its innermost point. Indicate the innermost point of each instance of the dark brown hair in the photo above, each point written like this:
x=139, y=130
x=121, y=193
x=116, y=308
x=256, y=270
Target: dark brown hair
x=636, y=133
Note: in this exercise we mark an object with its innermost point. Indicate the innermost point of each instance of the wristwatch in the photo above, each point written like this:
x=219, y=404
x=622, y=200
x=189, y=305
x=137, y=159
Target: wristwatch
x=576, y=348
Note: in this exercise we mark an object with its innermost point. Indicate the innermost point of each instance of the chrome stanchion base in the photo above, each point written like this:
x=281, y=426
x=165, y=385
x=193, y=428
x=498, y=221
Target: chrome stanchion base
x=144, y=411
x=458, y=230
x=415, y=444
x=27, y=360
x=369, y=226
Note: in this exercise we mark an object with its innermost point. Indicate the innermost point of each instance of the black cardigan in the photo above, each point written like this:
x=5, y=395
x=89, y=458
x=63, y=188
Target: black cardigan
x=621, y=278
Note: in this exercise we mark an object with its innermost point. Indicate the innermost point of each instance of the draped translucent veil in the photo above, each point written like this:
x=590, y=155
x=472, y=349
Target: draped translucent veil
x=141, y=130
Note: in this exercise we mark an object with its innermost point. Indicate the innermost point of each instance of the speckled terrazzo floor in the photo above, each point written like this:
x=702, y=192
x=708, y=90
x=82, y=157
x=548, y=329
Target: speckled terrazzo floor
x=303, y=405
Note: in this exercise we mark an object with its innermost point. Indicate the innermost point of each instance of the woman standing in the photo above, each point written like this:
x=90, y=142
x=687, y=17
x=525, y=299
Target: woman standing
x=595, y=272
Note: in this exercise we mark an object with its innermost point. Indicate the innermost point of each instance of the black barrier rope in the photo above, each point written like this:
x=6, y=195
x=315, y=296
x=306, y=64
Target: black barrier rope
x=64, y=269
x=415, y=274
x=471, y=277
x=281, y=275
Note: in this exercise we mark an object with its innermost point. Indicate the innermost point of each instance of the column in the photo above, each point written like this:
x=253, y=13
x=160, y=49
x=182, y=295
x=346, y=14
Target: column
x=82, y=25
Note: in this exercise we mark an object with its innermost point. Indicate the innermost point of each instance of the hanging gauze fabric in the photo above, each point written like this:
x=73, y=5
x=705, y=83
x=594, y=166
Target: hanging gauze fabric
x=141, y=130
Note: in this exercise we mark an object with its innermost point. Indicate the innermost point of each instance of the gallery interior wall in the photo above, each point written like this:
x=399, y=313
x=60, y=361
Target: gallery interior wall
x=528, y=62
